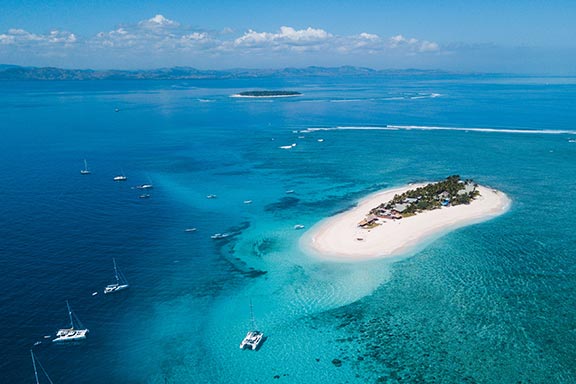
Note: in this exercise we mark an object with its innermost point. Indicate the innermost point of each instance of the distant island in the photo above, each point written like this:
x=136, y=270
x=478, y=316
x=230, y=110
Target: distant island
x=15, y=72
x=267, y=94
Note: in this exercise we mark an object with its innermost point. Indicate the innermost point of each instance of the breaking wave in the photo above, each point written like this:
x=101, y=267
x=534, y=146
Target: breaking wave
x=431, y=128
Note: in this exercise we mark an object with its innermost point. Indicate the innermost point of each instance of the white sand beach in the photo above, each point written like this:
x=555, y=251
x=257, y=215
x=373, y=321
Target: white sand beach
x=339, y=238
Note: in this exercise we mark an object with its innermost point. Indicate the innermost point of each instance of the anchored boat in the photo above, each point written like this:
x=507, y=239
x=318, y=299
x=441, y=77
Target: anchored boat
x=253, y=338
x=121, y=282
x=85, y=171
x=70, y=334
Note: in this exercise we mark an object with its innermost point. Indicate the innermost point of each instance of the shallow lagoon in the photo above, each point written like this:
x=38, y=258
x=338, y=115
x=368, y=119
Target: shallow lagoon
x=490, y=303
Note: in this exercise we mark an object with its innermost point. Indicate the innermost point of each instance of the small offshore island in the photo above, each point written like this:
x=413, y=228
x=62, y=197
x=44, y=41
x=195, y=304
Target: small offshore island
x=267, y=94
x=393, y=222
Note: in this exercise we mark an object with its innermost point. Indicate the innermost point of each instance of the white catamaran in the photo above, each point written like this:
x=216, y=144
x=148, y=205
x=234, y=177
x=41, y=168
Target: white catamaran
x=253, y=338
x=85, y=171
x=34, y=361
x=121, y=282
x=70, y=334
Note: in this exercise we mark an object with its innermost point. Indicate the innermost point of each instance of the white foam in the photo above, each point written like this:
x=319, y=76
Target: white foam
x=432, y=128
x=346, y=100
x=426, y=96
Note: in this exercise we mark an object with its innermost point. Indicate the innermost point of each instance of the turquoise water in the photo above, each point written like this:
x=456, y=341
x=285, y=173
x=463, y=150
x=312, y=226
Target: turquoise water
x=489, y=303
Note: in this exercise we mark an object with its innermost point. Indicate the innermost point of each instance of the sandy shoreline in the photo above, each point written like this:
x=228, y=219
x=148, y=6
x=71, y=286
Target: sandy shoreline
x=338, y=238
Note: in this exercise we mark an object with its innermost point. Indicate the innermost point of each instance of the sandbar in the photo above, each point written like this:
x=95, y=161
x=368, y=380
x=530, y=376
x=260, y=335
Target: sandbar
x=339, y=238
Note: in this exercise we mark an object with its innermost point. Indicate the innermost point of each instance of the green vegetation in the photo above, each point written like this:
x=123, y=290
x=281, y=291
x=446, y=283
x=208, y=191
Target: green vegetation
x=269, y=93
x=452, y=191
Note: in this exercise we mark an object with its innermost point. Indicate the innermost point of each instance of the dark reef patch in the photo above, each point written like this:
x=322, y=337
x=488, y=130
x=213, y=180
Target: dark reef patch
x=284, y=203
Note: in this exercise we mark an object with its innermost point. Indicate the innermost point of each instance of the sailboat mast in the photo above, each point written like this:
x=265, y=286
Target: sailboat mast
x=85, y=165
x=70, y=314
x=34, y=364
x=116, y=271
x=252, y=316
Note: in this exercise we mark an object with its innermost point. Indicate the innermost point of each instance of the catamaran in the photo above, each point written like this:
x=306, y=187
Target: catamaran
x=70, y=334
x=34, y=361
x=85, y=171
x=121, y=282
x=254, y=338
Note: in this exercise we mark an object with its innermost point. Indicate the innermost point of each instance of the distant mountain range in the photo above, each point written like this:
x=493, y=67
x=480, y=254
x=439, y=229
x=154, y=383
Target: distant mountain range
x=14, y=72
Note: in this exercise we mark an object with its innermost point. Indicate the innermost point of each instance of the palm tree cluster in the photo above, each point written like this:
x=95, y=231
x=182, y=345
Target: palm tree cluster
x=451, y=191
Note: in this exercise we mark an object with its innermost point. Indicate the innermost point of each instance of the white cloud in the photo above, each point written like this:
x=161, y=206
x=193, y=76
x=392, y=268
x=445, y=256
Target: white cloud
x=158, y=22
x=412, y=44
x=287, y=36
x=21, y=37
x=161, y=39
x=156, y=34
x=196, y=36
x=428, y=46
x=369, y=36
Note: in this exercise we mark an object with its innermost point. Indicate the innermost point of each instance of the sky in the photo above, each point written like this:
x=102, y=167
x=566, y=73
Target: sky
x=523, y=36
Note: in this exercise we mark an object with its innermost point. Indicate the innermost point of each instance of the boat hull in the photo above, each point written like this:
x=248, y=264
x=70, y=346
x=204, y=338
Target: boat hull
x=252, y=340
x=115, y=288
x=70, y=334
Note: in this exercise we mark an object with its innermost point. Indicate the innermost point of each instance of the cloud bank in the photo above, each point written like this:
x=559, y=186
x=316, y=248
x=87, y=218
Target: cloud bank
x=162, y=41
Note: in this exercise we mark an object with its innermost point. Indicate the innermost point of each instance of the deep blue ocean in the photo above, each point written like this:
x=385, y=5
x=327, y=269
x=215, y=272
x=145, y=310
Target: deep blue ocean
x=489, y=303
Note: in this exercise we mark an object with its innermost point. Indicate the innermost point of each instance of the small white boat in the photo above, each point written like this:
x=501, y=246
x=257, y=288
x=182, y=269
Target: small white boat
x=298, y=226
x=121, y=282
x=211, y=196
x=254, y=338
x=85, y=171
x=145, y=196
x=320, y=140
x=217, y=236
x=247, y=201
x=120, y=178
x=70, y=334
x=290, y=191
x=147, y=185
x=190, y=230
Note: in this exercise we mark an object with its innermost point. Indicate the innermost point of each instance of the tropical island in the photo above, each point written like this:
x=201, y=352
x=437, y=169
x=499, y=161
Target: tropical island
x=450, y=192
x=267, y=94
x=397, y=221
